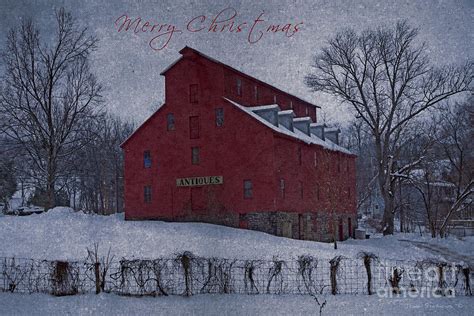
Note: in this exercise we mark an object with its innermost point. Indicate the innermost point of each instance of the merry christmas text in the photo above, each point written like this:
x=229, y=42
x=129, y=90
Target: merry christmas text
x=226, y=21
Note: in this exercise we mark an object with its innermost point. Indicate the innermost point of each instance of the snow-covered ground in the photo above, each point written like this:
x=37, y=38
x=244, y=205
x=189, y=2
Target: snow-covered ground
x=64, y=234
x=109, y=304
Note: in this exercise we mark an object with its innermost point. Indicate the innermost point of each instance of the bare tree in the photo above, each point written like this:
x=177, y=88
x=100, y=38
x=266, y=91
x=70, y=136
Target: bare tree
x=358, y=140
x=444, y=179
x=455, y=140
x=8, y=182
x=49, y=96
x=96, y=179
x=427, y=184
x=388, y=80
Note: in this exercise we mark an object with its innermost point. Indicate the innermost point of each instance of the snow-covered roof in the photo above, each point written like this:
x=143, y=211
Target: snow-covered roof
x=264, y=107
x=302, y=119
x=287, y=112
x=296, y=134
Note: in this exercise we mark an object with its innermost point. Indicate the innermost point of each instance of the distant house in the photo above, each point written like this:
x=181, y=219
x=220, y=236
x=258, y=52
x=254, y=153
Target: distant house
x=229, y=149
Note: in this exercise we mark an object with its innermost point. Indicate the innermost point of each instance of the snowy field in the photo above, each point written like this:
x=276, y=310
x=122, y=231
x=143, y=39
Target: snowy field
x=64, y=234
x=109, y=304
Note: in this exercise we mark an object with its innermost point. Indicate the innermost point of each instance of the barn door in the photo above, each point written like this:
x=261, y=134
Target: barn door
x=349, y=226
x=286, y=230
x=341, y=230
x=198, y=199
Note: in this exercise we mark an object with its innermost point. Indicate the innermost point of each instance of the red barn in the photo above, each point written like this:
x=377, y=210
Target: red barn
x=229, y=149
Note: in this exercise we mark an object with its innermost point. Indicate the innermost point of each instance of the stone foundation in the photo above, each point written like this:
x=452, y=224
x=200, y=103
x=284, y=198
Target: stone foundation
x=306, y=226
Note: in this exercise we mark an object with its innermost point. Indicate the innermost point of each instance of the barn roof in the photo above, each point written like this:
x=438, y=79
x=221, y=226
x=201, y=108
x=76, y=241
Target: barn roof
x=296, y=134
x=187, y=48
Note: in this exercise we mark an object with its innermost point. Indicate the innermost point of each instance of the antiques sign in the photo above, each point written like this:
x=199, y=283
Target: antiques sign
x=199, y=181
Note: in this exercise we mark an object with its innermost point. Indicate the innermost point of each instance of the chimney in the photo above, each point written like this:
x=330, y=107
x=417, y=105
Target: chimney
x=317, y=129
x=302, y=123
x=267, y=112
x=285, y=118
x=333, y=134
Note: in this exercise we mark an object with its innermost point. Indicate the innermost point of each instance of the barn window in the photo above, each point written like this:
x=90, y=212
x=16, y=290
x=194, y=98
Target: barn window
x=282, y=188
x=219, y=116
x=239, y=86
x=170, y=121
x=195, y=155
x=274, y=99
x=291, y=104
x=194, y=127
x=315, y=159
x=147, y=159
x=147, y=194
x=248, y=189
x=255, y=92
x=193, y=93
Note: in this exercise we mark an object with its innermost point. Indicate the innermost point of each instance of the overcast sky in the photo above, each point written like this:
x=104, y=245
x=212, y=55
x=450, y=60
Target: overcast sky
x=130, y=70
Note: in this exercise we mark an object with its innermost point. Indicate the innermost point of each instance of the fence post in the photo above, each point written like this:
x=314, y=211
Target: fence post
x=395, y=280
x=334, y=267
x=441, y=281
x=62, y=277
x=185, y=260
x=97, y=277
x=467, y=281
x=368, y=257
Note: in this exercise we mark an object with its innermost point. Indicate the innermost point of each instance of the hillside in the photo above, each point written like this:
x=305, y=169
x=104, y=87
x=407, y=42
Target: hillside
x=64, y=234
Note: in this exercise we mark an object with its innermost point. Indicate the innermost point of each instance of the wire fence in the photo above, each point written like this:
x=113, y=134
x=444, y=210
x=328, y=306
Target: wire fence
x=187, y=274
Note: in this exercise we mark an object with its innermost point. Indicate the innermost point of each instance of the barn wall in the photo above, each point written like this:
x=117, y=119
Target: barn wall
x=229, y=151
x=243, y=148
x=265, y=95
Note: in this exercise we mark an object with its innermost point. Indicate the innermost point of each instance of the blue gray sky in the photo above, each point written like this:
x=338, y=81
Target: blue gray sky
x=130, y=70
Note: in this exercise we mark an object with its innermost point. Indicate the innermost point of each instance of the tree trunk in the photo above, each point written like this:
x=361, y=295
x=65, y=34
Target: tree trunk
x=433, y=230
x=385, y=163
x=402, y=210
x=22, y=192
x=50, y=185
x=388, y=215
x=50, y=203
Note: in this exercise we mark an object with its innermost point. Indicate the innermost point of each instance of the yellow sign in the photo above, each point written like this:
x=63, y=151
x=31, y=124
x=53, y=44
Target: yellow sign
x=199, y=181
